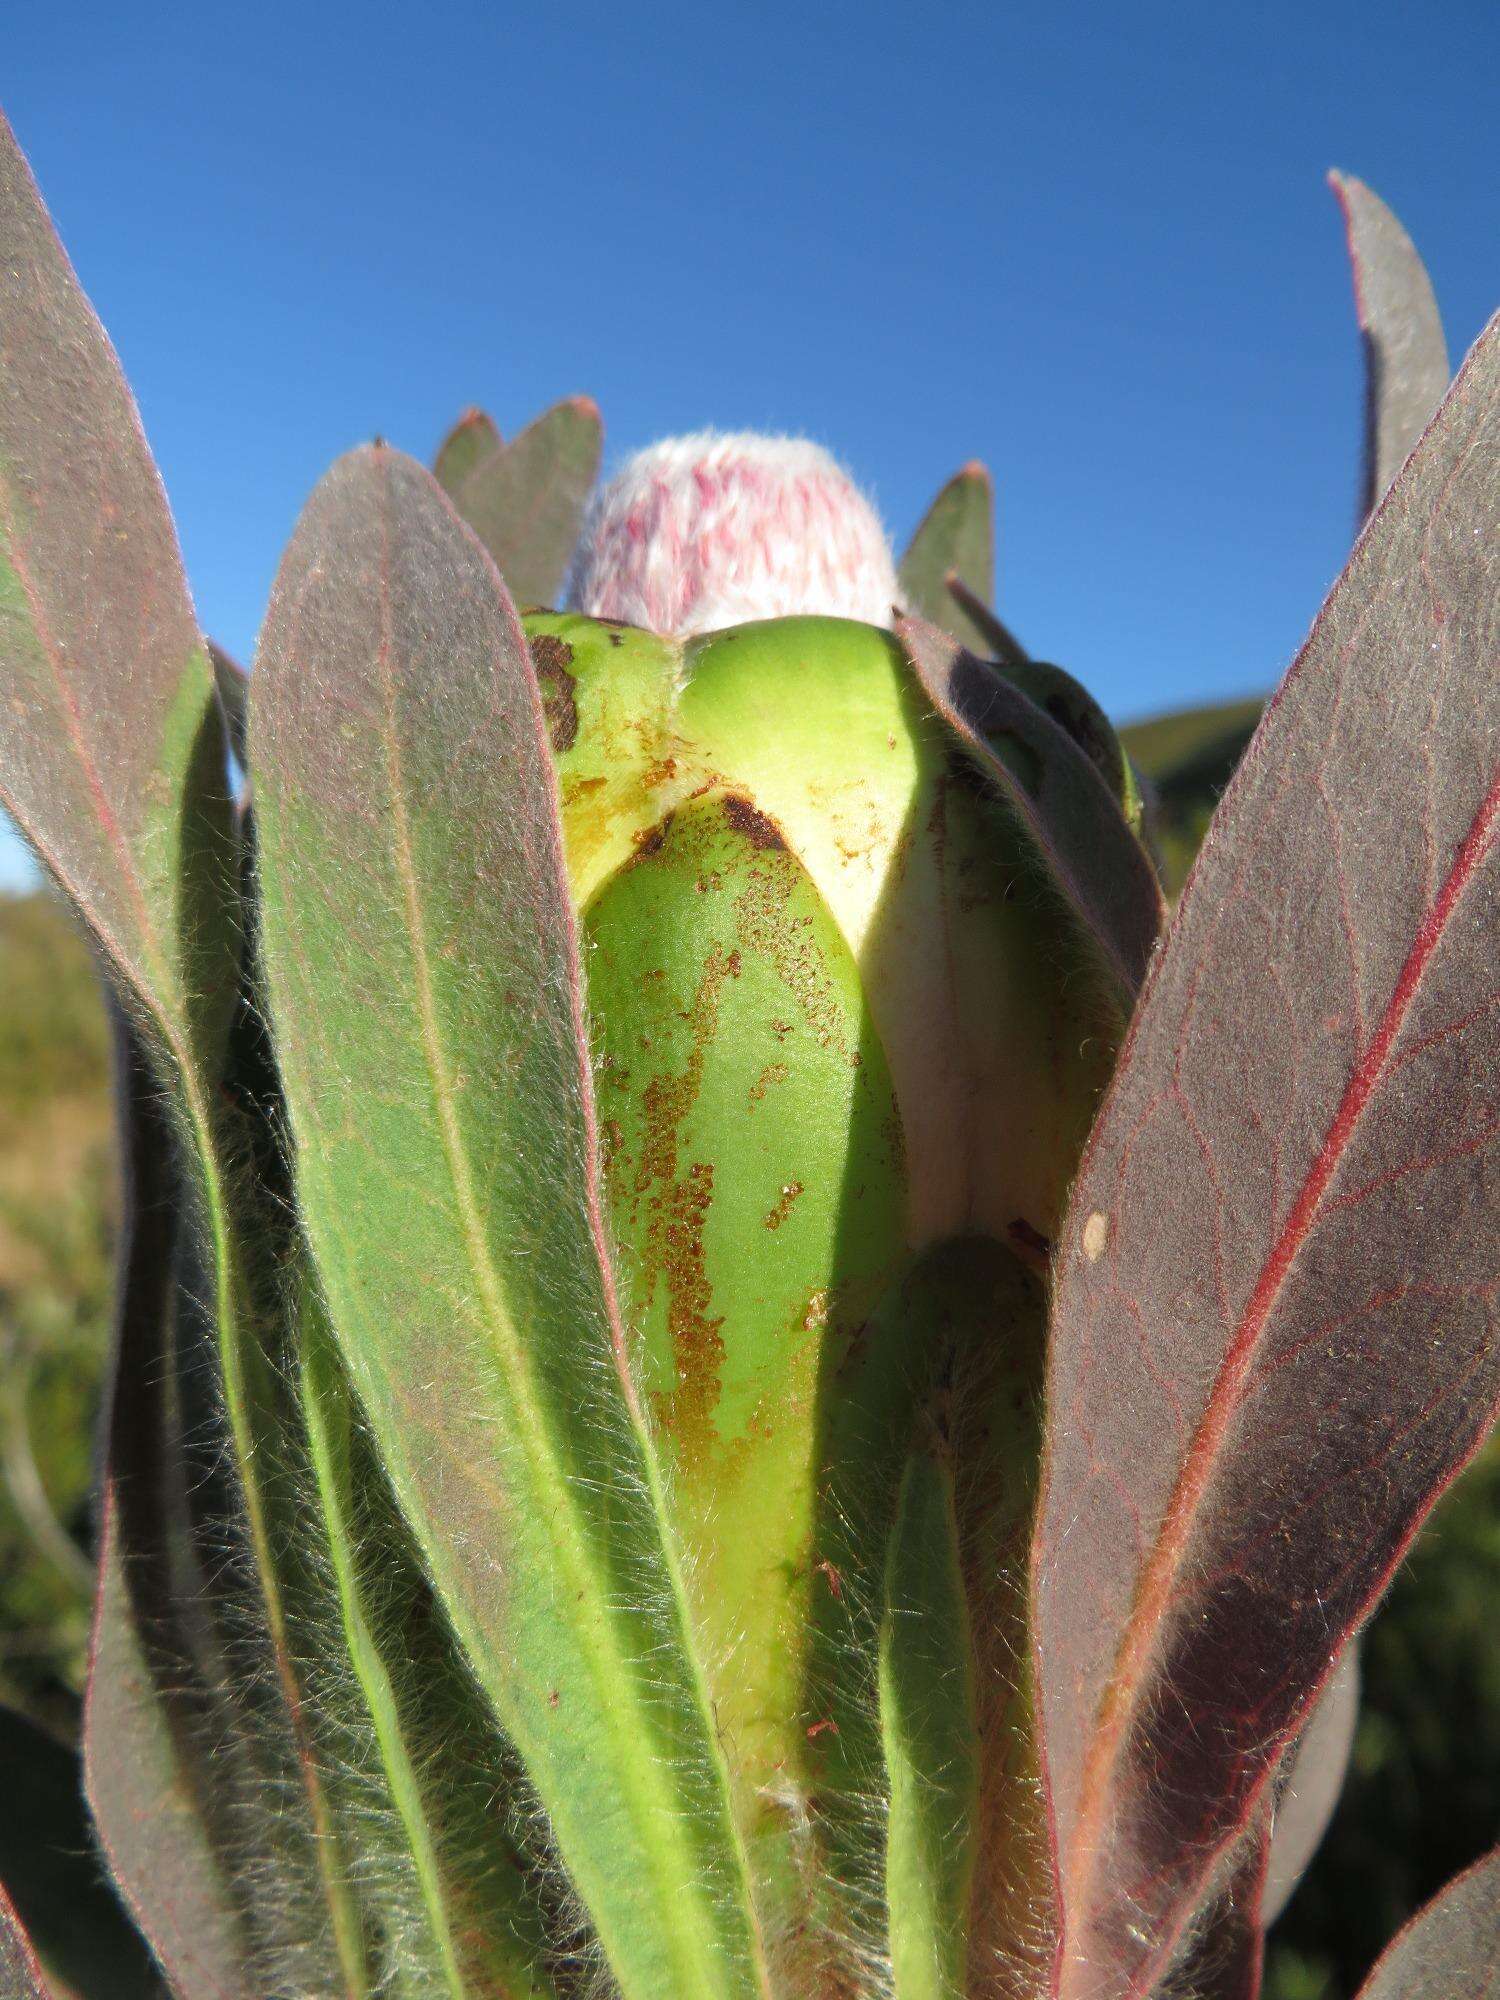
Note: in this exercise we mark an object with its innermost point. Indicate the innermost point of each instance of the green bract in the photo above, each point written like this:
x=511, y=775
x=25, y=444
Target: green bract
x=839, y=1026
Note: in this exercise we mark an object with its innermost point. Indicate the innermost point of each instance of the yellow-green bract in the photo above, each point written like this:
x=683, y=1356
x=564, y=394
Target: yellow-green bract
x=846, y=1050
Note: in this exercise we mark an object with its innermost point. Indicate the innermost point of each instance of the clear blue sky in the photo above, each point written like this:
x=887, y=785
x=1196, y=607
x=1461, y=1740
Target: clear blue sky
x=1089, y=244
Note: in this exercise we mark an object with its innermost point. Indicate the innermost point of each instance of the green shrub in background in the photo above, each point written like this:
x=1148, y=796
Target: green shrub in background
x=57, y=1222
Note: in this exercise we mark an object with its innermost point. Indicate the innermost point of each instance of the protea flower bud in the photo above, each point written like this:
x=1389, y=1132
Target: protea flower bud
x=700, y=532
x=846, y=1058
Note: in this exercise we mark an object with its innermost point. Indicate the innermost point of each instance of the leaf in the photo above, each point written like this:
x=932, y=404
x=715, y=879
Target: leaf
x=426, y=1006
x=450, y=1884
x=162, y=1757
x=1085, y=848
x=1449, y=1950
x=20, y=1974
x=471, y=439
x=232, y=685
x=1226, y=1960
x=1273, y=1339
x=525, y=500
x=956, y=536
x=112, y=763
x=1406, y=356
x=1315, y=1778
x=930, y=1734
x=52, y=1872
x=106, y=726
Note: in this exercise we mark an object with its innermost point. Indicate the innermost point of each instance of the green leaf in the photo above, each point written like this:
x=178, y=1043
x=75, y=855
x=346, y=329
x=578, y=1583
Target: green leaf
x=427, y=1011
x=930, y=1731
x=955, y=537
x=452, y=1888
x=52, y=1872
x=525, y=500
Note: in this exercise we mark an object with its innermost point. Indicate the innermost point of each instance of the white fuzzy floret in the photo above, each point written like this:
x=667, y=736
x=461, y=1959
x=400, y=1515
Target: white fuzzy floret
x=699, y=532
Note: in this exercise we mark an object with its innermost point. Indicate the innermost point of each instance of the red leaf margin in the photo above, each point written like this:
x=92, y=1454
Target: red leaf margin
x=1175, y=1353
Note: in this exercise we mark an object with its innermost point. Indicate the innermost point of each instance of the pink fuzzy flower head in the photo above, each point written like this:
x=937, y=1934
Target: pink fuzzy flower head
x=700, y=532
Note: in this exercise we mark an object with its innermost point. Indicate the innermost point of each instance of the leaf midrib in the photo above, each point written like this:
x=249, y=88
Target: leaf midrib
x=1210, y=1435
x=652, y=1809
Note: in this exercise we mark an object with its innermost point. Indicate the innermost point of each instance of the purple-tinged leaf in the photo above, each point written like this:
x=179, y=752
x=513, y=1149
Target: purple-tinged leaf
x=107, y=719
x=1451, y=1949
x=1314, y=1780
x=52, y=1871
x=471, y=439
x=994, y=638
x=20, y=1974
x=1406, y=356
x=155, y=1699
x=955, y=537
x=1226, y=1959
x=525, y=500
x=112, y=763
x=1085, y=850
x=1274, y=1341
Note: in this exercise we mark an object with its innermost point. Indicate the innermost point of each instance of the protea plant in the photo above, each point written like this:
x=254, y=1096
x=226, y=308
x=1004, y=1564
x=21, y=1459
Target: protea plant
x=740, y=1373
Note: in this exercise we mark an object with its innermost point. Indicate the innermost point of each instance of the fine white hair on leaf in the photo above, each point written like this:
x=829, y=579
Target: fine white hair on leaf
x=716, y=528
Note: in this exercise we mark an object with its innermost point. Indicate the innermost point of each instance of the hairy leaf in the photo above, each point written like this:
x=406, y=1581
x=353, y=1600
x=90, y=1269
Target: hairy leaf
x=525, y=500
x=107, y=724
x=1451, y=1949
x=955, y=537
x=1083, y=844
x=1274, y=1338
x=112, y=763
x=52, y=1871
x=471, y=439
x=20, y=1974
x=232, y=685
x=451, y=1888
x=168, y=1767
x=1406, y=357
x=1314, y=1780
x=426, y=1005
x=930, y=1735
x=1226, y=1958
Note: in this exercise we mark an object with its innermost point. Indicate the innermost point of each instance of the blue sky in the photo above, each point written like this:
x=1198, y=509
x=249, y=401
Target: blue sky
x=1090, y=245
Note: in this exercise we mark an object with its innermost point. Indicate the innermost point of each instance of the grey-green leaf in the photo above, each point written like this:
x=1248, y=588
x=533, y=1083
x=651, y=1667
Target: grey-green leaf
x=1083, y=845
x=426, y=1005
x=107, y=720
x=525, y=500
x=1406, y=356
x=930, y=1735
x=955, y=537
x=52, y=1871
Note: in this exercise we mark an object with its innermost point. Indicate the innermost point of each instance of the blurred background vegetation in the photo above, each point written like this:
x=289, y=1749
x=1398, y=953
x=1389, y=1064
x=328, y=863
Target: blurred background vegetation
x=1421, y=1800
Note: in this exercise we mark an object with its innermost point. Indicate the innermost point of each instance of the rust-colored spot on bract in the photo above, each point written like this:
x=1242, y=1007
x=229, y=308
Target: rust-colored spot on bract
x=783, y=1207
x=773, y=1073
x=752, y=823
x=553, y=660
x=650, y=840
x=677, y=1205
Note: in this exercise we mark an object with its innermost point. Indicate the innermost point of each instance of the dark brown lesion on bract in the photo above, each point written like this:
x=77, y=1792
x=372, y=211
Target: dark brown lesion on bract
x=751, y=822
x=553, y=660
